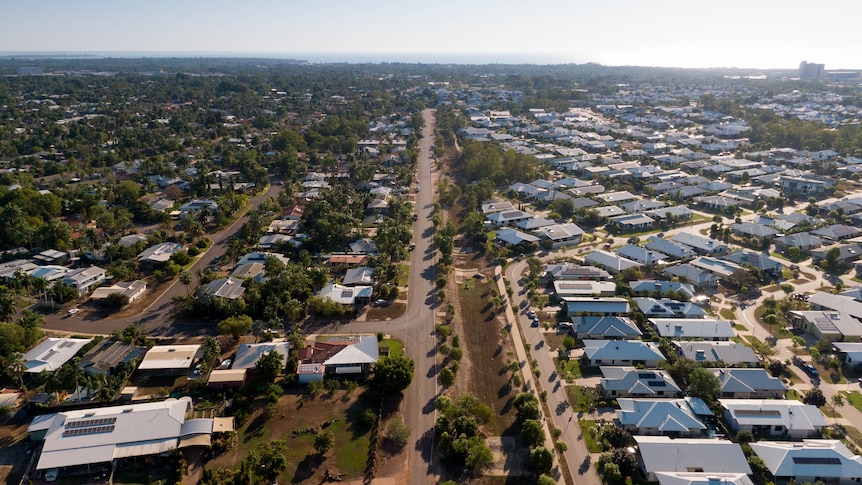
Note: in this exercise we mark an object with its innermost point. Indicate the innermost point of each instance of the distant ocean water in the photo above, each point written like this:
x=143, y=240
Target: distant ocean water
x=315, y=57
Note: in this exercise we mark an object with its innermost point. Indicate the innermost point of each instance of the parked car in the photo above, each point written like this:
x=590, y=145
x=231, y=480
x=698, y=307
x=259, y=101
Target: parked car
x=225, y=364
x=531, y=314
x=535, y=322
x=73, y=311
x=381, y=302
x=411, y=247
x=52, y=474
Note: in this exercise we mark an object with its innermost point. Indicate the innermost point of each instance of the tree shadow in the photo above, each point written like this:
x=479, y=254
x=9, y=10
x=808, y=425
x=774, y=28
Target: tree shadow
x=307, y=467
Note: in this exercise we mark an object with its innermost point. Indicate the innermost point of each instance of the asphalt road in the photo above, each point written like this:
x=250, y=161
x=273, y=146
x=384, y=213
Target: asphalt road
x=157, y=319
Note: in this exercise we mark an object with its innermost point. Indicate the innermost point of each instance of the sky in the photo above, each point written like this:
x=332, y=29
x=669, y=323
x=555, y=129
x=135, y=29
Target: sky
x=763, y=34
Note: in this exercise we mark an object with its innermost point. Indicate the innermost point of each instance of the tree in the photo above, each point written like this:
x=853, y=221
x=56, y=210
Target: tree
x=7, y=302
x=235, y=326
x=186, y=279
x=837, y=402
x=392, y=374
x=797, y=342
x=17, y=367
x=527, y=406
x=611, y=472
x=270, y=365
x=447, y=377
x=815, y=397
x=831, y=261
x=397, y=433
x=546, y=480
x=324, y=442
x=541, y=460
x=568, y=342
x=533, y=433
x=704, y=384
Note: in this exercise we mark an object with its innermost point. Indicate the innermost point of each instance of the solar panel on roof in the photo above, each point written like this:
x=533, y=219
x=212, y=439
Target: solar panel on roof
x=816, y=460
x=657, y=383
x=758, y=412
x=346, y=293
x=575, y=286
x=646, y=375
x=88, y=430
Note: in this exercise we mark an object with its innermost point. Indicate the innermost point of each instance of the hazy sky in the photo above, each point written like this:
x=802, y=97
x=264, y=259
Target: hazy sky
x=681, y=33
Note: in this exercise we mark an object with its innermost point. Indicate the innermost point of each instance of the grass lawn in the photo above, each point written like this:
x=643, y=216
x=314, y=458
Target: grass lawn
x=854, y=398
x=583, y=399
x=781, y=256
x=758, y=346
x=586, y=425
x=727, y=314
x=396, y=348
x=786, y=274
x=792, y=394
x=573, y=369
x=403, y=274
x=740, y=327
x=829, y=412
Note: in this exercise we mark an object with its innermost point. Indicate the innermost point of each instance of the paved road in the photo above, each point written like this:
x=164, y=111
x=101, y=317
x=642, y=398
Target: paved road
x=157, y=318
x=562, y=413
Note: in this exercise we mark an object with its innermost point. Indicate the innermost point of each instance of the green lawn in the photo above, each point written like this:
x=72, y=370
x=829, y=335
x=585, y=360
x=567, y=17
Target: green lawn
x=573, y=369
x=792, y=394
x=854, y=398
x=740, y=327
x=403, y=274
x=781, y=256
x=589, y=440
x=727, y=314
x=396, y=348
x=758, y=346
x=583, y=399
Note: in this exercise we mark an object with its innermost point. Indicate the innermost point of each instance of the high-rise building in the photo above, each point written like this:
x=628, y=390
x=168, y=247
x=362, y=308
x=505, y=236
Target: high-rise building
x=808, y=70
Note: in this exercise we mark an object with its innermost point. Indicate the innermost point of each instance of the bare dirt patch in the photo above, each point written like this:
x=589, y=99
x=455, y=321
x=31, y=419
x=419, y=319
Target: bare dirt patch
x=14, y=457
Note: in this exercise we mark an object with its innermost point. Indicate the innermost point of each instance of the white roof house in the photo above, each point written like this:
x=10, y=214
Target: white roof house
x=83, y=279
x=52, y=353
x=346, y=295
x=170, y=357
x=671, y=417
x=159, y=253
x=260, y=257
x=664, y=454
x=102, y=435
x=696, y=478
x=131, y=289
x=609, y=261
x=248, y=354
x=850, y=352
x=776, y=417
x=809, y=461
x=686, y=328
x=584, y=288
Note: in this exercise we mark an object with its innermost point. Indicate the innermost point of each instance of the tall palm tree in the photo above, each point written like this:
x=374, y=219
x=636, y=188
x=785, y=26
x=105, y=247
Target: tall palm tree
x=17, y=367
x=186, y=279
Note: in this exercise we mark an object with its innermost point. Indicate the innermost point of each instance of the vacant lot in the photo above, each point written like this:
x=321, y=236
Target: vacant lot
x=299, y=412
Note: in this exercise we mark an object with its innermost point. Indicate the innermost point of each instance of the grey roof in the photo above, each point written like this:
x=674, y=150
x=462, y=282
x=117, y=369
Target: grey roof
x=618, y=349
x=695, y=276
x=230, y=288
x=693, y=328
x=800, y=239
x=811, y=458
x=363, y=275
x=514, y=237
x=611, y=262
x=758, y=260
x=662, y=287
x=702, y=478
x=665, y=454
x=715, y=266
x=641, y=254
x=534, y=223
x=557, y=232
x=107, y=355
x=363, y=350
x=248, y=354
x=793, y=415
x=697, y=242
x=569, y=270
x=664, y=307
x=52, y=353
x=670, y=248
x=637, y=381
x=606, y=305
x=731, y=353
x=664, y=415
x=747, y=380
x=753, y=229
x=837, y=231
x=841, y=304
x=675, y=210
x=610, y=327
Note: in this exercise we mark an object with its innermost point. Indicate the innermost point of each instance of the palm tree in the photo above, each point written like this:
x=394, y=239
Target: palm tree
x=186, y=279
x=17, y=367
x=837, y=401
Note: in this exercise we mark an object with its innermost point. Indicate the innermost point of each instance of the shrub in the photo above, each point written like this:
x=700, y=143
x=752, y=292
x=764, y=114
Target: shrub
x=397, y=433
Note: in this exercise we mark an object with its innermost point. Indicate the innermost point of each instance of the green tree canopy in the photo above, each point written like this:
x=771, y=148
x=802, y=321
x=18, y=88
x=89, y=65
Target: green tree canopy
x=392, y=374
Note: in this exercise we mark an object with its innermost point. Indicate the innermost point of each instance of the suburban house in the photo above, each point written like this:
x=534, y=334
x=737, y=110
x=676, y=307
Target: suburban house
x=672, y=249
x=642, y=255
x=666, y=308
x=584, y=288
x=260, y=257
x=831, y=324
x=347, y=295
x=629, y=222
x=662, y=417
x=226, y=378
x=248, y=354
x=622, y=352
x=85, y=440
x=104, y=358
x=693, y=275
x=610, y=261
x=665, y=454
x=199, y=204
x=757, y=260
x=159, y=253
x=847, y=253
x=51, y=353
x=659, y=288
x=813, y=460
x=514, y=237
x=230, y=288
x=701, y=478
x=692, y=328
x=170, y=359
x=753, y=229
x=605, y=328
x=343, y=356
x=802, y=240
x=130, y=289
x=560, y=235
x=786, y=418
x=850, y=353
x=507, y=218
x=731, y=353
x=802, y=185
x=699, y=244
x=362, y=276
x=83, y=279
x=749, y=384
x=631, y=382
x=836, y=232
x=572, y=271
x=578, y=306
x=718, y=267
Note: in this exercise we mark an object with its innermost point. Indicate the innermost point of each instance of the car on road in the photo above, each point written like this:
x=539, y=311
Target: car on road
x=73, y=311
x=417, y=189
x=415, y=216
x=531, y=314
x=411, y=247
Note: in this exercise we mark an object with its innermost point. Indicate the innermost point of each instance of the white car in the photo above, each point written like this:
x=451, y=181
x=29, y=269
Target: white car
x=73, y=311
